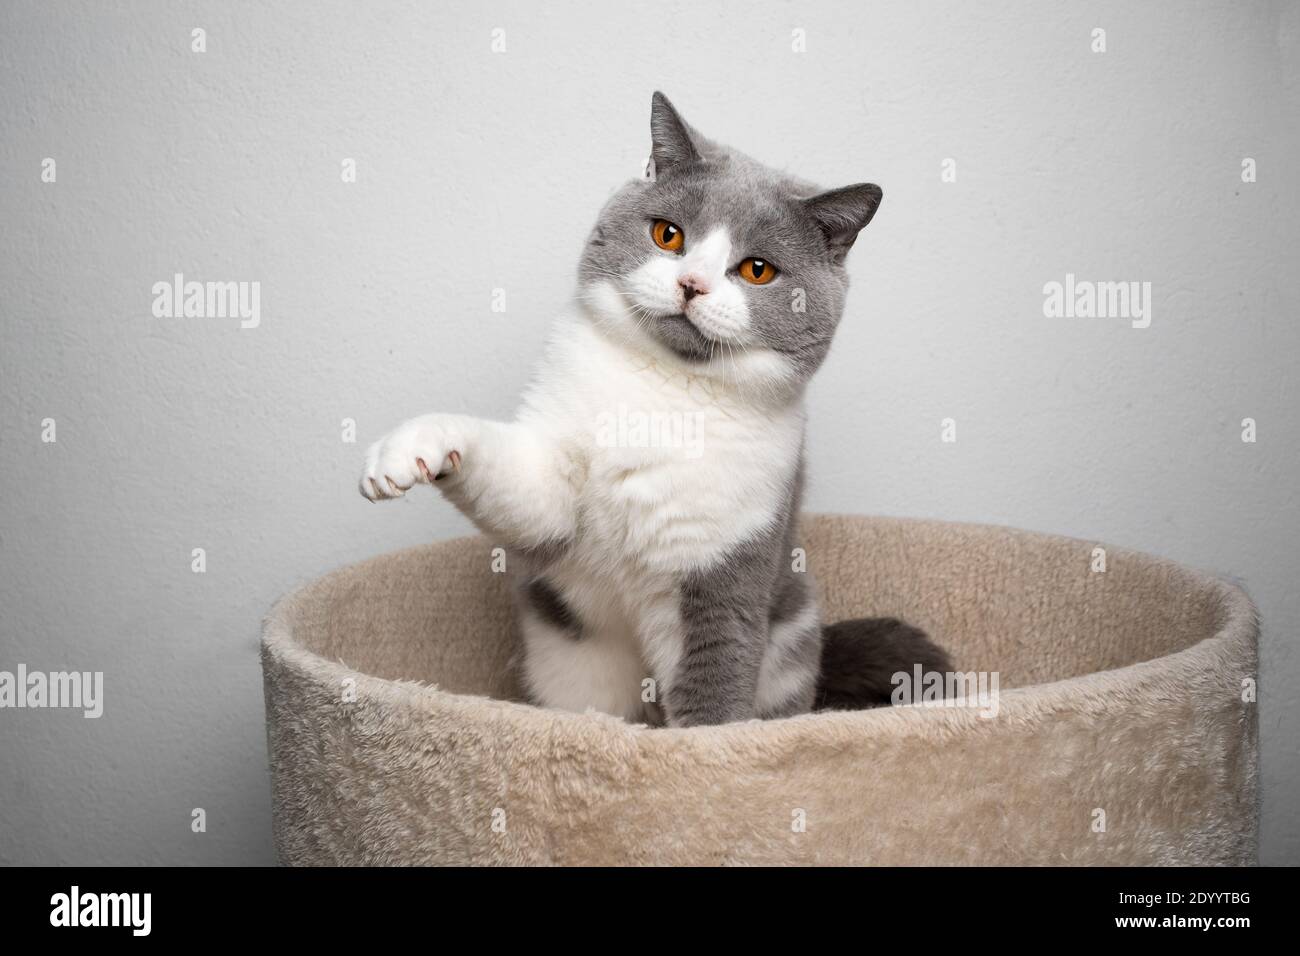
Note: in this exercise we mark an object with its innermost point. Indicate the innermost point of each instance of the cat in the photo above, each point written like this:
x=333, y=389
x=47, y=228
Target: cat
x=654, y=579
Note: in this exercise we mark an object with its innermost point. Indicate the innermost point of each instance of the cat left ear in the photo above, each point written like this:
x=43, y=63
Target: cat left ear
x=841, y=214
x=670, y=137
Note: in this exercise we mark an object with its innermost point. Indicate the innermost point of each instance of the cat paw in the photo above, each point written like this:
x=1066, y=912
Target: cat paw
x=408, y=456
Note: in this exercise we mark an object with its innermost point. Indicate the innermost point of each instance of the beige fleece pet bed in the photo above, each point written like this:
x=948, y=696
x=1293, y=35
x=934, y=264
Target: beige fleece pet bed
x=1121, y=735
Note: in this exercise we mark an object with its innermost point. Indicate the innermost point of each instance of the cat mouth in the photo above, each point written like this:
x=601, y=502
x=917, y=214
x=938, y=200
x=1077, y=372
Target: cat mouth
x=683, y=337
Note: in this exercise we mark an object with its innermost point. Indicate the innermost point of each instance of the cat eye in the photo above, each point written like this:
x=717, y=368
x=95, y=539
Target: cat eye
x=667, y=236
x=757, y=271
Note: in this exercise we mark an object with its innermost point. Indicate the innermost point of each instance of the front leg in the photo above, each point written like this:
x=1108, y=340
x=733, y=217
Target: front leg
x=724, y=634
x=511, y=481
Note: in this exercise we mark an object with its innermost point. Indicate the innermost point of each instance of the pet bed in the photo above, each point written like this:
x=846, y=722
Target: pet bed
x=1123, y=731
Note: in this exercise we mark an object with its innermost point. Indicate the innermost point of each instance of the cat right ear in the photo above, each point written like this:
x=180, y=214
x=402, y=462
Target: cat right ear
x=842, y=213
x=671, y=143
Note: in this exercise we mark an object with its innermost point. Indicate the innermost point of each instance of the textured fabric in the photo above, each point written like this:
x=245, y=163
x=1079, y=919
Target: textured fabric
x=396, y=737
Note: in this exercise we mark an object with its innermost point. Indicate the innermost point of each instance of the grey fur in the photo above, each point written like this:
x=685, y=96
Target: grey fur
x=726, y=612
x=861, y=657
x=546, y=553
x=550, y=607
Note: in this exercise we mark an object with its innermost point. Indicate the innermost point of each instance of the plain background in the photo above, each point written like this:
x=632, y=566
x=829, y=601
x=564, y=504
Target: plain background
x=479, y=170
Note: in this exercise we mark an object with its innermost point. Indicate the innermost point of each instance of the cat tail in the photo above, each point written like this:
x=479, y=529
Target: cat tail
x=861, y=657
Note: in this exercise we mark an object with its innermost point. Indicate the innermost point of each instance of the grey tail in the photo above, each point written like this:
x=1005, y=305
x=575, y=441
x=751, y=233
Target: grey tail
x=861, y=657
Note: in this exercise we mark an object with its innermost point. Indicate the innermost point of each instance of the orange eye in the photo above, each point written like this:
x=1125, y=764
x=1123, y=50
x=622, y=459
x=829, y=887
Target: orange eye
x=757, y=271
x=667, y=236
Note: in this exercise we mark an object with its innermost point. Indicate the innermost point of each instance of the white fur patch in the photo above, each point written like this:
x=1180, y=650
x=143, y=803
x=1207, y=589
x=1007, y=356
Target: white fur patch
x=596, y=672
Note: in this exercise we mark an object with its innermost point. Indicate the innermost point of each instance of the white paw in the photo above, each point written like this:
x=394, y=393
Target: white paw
x=421, y=450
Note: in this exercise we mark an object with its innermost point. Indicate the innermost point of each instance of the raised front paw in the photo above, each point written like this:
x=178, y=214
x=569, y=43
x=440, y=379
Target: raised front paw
x=421, y=450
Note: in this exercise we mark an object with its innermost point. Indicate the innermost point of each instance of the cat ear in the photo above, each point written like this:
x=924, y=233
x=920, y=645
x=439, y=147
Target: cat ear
x=670, y=138
x=841, y=214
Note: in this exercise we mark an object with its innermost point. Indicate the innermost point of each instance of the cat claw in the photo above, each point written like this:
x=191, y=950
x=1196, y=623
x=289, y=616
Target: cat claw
x=454, y=456
x=378, y=492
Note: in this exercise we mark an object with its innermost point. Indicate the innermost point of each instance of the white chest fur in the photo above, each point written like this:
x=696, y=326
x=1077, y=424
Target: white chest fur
x=673, y=469
x=670, y=471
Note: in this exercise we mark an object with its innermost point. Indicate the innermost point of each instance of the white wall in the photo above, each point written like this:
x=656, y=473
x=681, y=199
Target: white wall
x=480, y=170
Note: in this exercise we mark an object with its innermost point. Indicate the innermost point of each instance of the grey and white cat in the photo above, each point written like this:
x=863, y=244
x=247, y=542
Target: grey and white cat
x=708, y=295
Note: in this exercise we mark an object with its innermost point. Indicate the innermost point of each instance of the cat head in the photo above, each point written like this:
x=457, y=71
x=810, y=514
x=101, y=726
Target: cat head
x=717, y=263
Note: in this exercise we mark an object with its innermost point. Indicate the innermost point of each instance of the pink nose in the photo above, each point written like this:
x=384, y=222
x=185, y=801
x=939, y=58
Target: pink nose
x=692, y=285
